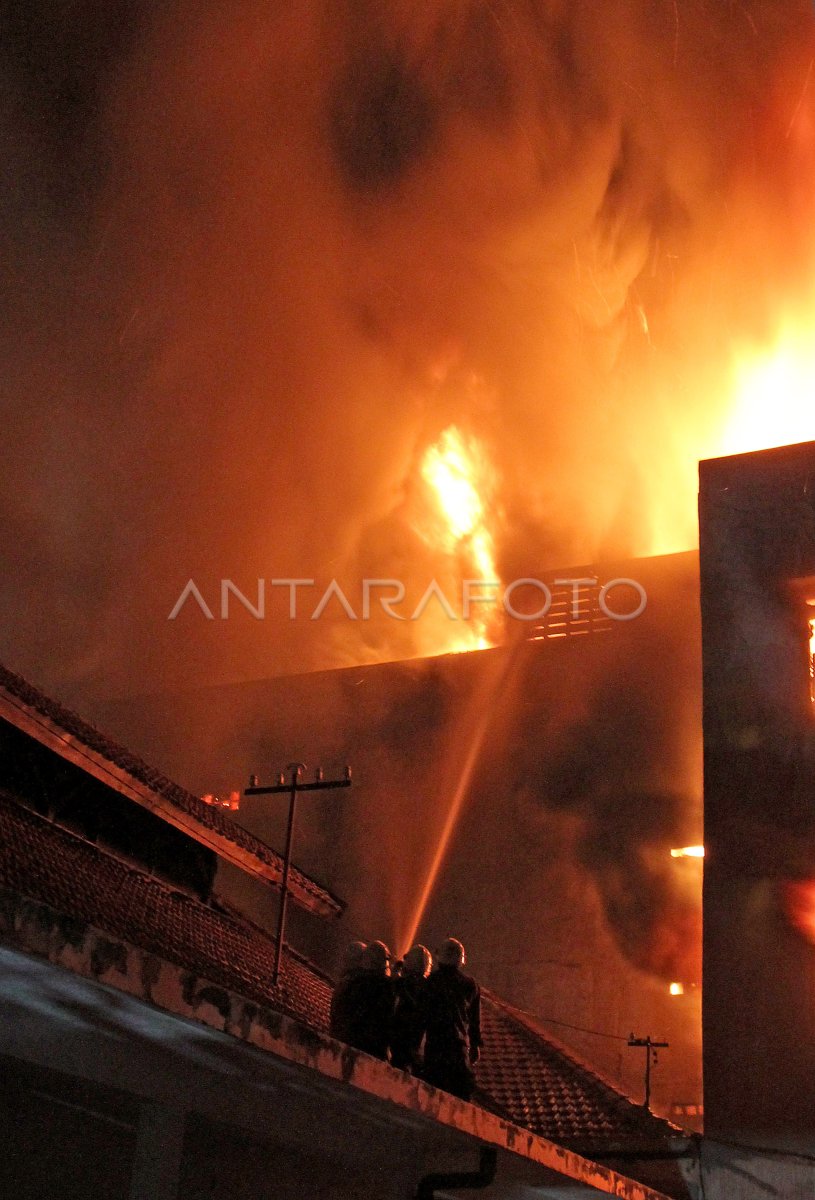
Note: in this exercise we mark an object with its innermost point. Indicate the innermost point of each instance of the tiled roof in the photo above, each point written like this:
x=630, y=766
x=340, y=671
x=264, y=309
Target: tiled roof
x=43, y=862
x=525, y=1076
x=208, y=816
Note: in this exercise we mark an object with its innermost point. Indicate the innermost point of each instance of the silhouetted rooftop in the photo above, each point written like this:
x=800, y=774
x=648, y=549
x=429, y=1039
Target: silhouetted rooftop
x=524, y=1076
x=73, y=733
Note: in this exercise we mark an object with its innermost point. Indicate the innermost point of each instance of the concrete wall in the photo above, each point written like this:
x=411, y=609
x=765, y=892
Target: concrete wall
x=757, y=556
x=199, y=1094
x=731, y=1173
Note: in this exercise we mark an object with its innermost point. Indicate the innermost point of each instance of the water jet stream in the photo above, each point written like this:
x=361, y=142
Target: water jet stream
x=484, y=707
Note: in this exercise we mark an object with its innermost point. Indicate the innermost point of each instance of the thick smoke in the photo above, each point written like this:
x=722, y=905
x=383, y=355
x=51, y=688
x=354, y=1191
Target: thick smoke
x=614, y=771
x=258, y=257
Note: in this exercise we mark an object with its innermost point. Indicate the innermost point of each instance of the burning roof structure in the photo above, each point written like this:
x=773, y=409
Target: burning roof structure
x=365, y=291
x=332, y=330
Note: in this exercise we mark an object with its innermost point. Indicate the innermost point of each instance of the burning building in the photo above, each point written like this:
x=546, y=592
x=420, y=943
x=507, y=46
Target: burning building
x=758, y=581
x=269, y=268
x=405, y=294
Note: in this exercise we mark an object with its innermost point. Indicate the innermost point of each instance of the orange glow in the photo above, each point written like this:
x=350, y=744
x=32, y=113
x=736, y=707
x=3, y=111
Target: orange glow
x=457, y=475
x=677, y=989
x=488, y=700
x=232, y=801
x=774, y=393
x=451, y=469
x=689, y=852
x=765, y=398
x=812, y=655
x=440, y=853
x=799, y=904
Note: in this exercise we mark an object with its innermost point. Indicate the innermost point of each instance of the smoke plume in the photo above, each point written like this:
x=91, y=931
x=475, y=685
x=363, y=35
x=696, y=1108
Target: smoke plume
x=258, y=258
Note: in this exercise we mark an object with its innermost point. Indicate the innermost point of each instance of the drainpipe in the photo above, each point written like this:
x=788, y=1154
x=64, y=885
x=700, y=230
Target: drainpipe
x=481, y=1178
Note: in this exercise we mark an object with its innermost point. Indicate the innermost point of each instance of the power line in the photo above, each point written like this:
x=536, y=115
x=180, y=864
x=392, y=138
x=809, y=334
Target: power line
x=614, y=1037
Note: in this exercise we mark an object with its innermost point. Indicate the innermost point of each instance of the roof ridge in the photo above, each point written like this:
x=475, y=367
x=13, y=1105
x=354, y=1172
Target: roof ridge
x=532, y=1024
x=93, y=739
x=527, y=1021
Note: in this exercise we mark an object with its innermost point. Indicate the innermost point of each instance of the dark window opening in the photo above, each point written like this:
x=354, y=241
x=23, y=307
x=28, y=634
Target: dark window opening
x=42, y=780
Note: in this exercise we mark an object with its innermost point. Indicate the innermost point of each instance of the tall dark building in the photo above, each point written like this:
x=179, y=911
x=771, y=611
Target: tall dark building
x=757, y=514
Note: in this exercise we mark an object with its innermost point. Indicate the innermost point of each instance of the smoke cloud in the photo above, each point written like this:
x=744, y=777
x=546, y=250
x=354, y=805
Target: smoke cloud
x=256, y=260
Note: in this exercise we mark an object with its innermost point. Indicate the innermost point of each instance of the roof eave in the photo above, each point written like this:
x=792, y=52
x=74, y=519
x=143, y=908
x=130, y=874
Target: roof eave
x=49, y=734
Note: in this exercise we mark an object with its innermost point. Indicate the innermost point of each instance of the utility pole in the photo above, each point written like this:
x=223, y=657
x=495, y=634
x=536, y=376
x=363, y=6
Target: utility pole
x=650, y=1047
x=293, y=787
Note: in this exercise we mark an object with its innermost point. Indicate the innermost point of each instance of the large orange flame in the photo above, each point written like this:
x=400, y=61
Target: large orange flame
x=456, y=472
x=763, y=397
x=774, y=393
x=766, y=398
